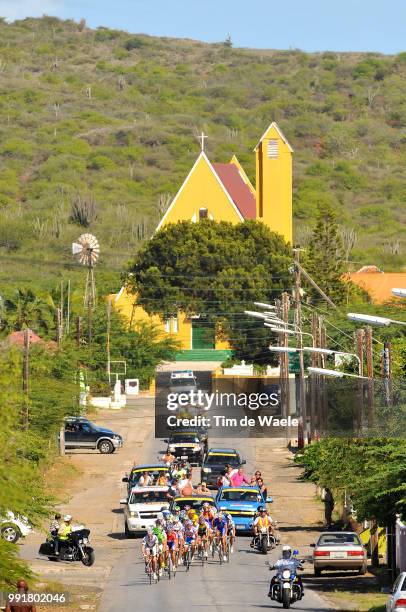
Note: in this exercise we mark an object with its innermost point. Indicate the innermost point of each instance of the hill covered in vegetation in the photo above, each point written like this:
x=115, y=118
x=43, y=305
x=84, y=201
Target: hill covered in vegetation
x=98, y=129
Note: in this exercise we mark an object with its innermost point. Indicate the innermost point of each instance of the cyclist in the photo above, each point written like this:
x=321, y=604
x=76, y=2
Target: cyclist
x=203, y=533
x=208, y=512
x=161, y=536
x=221, y=530
x=149, y=549
x=172, y=542
x=190, y=537
x=184, y=513
x=178, y=529
x=193, y=516
x=231, y=530
x=166, y=515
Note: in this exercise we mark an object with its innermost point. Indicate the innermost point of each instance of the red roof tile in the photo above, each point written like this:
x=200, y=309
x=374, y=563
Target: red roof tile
x=17, y=338
x=237, y=189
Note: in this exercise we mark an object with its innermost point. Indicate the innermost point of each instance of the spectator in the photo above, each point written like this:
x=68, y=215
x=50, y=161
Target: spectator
x=239, y=478
x=202, y=489
x=262, y=487
x=173, y=490
x=22, y=588
x=146, y=480
x=186, y=486
x=255, y=477
x=328, y=500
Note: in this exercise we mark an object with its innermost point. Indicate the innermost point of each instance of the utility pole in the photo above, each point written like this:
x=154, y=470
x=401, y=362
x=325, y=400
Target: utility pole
x=26, y=375
x=370, y=398
x=386, y=369
x=298, y=321
x=78, y=330
x=283, y=341
x=61, y=307
x=68, y=311
x=59, y=325
x=314, y=382
x=322, y=337
x=359, y=343
x=370, y=374
x=108, y=306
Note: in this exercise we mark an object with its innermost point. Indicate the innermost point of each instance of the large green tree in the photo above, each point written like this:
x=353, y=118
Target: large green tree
x=324, y=259
x=216, y=270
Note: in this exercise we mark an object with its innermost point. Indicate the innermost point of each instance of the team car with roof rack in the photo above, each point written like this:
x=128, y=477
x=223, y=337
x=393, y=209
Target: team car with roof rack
x=242, y=504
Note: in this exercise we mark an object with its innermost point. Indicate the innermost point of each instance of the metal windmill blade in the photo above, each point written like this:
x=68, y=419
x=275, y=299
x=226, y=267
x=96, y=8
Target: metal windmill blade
x=86, y=250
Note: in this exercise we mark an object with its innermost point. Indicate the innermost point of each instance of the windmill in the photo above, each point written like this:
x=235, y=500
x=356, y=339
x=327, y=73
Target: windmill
x=87, y=251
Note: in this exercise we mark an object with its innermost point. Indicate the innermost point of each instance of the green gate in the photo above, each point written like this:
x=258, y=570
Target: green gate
x=203, y=336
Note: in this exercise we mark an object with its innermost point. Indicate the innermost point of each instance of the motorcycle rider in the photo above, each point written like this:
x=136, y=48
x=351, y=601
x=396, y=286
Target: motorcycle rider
x=263, y=519
x=64, y=532
x=287, y=562
x=53, y=528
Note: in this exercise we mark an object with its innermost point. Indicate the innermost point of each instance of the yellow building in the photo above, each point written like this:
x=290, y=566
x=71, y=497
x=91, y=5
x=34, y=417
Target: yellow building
x=223, y=192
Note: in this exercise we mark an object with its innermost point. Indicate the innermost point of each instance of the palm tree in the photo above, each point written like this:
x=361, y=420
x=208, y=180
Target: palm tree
x=24, y=309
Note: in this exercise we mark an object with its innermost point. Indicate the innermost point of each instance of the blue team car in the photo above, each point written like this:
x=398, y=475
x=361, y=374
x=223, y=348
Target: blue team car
x=242, y=503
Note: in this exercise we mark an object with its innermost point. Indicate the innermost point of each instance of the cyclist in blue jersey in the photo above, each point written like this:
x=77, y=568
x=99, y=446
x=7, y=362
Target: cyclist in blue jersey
x=221, y=529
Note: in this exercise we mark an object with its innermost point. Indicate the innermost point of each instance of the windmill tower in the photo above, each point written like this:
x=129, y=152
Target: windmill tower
x=87, y=251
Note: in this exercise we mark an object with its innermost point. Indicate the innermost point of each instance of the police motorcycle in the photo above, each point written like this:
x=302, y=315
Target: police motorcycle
x=286, y=586
x=74, y=548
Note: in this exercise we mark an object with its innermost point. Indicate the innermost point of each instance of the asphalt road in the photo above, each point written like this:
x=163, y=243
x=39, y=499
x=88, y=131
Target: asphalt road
x=239, y=585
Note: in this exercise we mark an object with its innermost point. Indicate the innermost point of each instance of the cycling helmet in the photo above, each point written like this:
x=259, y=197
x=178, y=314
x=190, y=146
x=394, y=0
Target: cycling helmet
x=166, y=514
x=260, y=509
x=67, y=518
x=206, y=505
x=176, y=509
x=149, y=531
x=286, y=552
x=160, y=515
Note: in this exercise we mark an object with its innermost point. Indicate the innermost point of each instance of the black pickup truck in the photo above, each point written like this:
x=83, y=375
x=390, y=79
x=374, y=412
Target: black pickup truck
x=82, y=433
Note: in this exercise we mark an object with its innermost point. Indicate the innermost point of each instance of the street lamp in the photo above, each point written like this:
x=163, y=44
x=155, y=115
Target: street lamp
x=274, y=319
x=266, y=306
x=279, y=330
x=334, y=373
x=372, y=319
x=324, y=351
x=283, y=349
x=257, y=315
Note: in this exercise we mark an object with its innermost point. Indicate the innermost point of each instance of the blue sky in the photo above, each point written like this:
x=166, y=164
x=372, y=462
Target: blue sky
x=310, y=25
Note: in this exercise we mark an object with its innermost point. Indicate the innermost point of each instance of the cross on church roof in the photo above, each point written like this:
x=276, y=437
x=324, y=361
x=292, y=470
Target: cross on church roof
x=202, y=138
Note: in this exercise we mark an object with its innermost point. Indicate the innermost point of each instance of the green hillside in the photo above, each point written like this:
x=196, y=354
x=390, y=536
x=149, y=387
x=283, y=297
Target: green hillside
x=99, y=128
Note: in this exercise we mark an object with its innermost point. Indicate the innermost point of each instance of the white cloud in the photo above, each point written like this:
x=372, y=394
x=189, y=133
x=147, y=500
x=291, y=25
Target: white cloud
x=19, y=9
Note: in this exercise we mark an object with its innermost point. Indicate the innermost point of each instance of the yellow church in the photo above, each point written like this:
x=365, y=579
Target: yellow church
x=223, y=192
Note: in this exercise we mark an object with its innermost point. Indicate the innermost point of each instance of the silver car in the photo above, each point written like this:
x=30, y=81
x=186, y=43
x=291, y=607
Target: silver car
x=339, y=550
x=397, y=595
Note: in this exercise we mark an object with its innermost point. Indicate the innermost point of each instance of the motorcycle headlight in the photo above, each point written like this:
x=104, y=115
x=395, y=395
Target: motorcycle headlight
x=286, y=574
x=85, y=540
